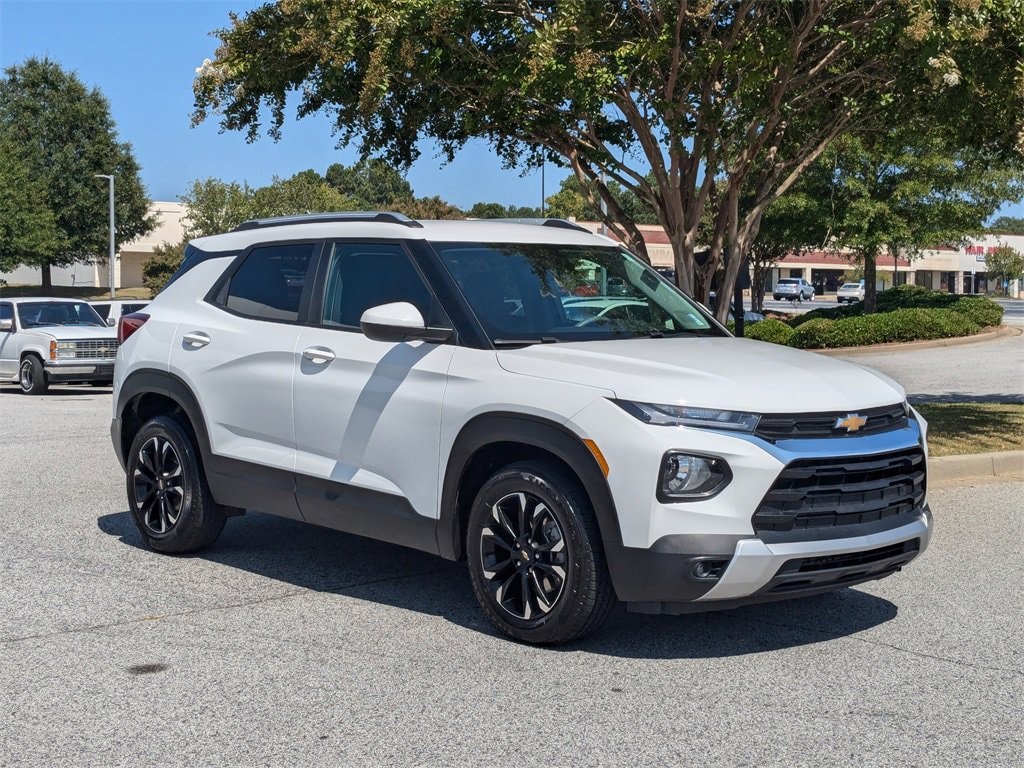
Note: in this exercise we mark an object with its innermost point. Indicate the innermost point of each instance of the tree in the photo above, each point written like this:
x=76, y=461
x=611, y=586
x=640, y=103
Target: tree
x=164, y=262
x=213, y=206
x=372, y=183
x=426, y=208
x=499, y=211
x=1005, y=264
x=300, y=194
x=683, y=104
x=65, y=136
x=27, y=225
x=900, y=191
x=1007, y=225
x=789, y=225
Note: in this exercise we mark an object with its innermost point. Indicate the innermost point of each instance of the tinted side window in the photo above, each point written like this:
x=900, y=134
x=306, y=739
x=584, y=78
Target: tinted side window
x=103, y=310
x=6, y=312
x=268, y=285
x=127, y=309
x=364, y=275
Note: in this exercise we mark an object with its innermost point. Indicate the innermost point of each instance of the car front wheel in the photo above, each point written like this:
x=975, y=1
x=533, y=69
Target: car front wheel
x=32, y=377
x=168, y=494
x=535, y=555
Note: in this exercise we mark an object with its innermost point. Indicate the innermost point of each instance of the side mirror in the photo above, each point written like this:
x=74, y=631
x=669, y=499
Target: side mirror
x=399, y=321
x=111, y=322
x=6, y=325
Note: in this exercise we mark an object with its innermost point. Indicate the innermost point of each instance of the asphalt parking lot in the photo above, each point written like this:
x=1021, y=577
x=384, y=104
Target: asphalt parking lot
x=290, y=645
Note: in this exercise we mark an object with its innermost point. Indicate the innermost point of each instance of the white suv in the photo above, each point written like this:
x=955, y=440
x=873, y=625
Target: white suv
x=430, y=384
x=44, y=341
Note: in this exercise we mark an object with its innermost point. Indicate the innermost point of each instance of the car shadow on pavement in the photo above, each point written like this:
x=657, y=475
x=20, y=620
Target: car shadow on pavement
x=328, y=561
x=954, y=397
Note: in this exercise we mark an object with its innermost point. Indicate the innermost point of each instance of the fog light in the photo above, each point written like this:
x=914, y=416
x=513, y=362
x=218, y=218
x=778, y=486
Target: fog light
x=709, y=570
x=689, y=476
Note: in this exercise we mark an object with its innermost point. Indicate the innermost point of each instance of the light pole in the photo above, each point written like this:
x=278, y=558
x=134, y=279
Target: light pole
x=110, y=263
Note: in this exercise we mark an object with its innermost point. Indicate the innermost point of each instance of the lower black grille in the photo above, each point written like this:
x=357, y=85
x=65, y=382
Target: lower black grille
x=834, y=571
x=852, y=495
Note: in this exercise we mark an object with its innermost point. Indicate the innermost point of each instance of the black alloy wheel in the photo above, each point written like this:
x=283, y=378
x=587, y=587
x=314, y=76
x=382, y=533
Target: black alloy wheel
x=536, y=560
x=522, y=548
x=158, y=485
x=169, y=497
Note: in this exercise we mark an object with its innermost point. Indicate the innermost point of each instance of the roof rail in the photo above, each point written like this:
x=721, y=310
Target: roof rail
x=382, y=217
x=559, y=223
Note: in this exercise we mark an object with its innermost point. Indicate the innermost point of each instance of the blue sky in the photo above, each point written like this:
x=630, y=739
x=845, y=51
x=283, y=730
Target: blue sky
x=142, y=55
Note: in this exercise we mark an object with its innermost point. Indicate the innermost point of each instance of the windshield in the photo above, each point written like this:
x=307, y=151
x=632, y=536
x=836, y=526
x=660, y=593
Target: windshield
x=850, y=286
x=788, y=282
x=530, y=293
x=35, y=314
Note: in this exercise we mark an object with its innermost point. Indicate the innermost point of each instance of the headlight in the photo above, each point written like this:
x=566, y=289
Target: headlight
x=65, y=349
x=688, y=416
x=689, y=476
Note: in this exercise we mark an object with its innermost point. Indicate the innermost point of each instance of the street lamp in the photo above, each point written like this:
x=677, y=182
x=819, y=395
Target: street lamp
x=110, y=263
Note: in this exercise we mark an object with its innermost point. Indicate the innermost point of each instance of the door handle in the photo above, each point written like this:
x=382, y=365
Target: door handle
x=318, y=355
x=196, y=339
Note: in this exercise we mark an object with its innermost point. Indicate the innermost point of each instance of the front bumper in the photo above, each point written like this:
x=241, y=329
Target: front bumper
x=79, y=370
x=761, y=572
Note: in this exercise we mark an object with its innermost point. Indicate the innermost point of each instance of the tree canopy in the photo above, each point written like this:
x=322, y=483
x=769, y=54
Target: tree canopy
x=1004, y=264
x=57, y=135
x=1007, y=225
x=683, y=103
x=900, y=192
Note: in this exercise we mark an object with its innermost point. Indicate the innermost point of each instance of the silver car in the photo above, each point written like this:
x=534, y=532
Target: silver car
x=794, y=289
x=850, y=292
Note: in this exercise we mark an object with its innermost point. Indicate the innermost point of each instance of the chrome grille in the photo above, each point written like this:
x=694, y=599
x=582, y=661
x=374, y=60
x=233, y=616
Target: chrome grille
x=95, y=349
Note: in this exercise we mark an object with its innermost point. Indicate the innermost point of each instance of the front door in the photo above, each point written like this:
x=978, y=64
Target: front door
x=368, y=413
x=8, y=344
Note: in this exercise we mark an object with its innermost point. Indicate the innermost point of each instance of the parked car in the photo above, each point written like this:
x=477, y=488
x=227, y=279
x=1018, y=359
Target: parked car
x=43, y=341
x=850, y=292
x=432, y=387
x=794, y=289
x=111, y=311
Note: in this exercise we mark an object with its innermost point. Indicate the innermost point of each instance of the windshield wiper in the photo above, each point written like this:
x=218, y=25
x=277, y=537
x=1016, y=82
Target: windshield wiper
x=525, y=342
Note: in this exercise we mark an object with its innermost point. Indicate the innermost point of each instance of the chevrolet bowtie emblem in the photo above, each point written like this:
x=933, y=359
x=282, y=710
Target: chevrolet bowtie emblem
x=851, y=422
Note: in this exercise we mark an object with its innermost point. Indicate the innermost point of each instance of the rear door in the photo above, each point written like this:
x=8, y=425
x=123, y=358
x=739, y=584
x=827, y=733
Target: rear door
x=368, y=413
x=237, y=351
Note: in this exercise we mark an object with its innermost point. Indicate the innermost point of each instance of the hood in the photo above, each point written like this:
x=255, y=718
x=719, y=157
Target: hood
x=73, y=332
x=727, y=373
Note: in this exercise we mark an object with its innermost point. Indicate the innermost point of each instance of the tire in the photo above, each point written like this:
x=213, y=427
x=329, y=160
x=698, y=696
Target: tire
x=32, y=377
x=168, y=495
x=555, y=586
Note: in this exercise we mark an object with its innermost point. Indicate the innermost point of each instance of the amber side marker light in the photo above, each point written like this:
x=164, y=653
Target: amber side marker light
x=598, y=456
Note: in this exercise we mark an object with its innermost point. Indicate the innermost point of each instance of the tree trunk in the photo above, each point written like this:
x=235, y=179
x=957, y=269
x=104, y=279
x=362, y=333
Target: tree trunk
x=870, y=295
x=47, y=279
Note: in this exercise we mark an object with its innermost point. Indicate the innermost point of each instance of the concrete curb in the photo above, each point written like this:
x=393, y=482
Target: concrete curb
x=997, y=464
x=906, y=346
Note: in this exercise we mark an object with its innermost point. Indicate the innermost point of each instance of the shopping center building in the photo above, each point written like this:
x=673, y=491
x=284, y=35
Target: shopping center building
x=958, y=270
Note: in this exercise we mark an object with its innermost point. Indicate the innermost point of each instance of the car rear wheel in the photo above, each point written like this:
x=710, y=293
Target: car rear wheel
x=168, y=494
x=32, y=377
x=535, y=555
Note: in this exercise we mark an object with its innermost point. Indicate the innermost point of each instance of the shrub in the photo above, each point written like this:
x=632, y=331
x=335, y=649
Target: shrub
x=829, y=313
x=161, y=265
x=774, y=331
x=979, y=310
x=898, y=325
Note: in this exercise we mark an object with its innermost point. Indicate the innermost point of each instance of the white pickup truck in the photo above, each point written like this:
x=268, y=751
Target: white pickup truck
x=43, y=341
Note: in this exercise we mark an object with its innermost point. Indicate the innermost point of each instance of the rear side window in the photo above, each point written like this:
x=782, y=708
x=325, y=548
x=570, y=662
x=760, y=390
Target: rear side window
x=194, y=256
x=268, y=285
x=127, y=309
x=6, y=312
x=103, y=310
